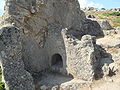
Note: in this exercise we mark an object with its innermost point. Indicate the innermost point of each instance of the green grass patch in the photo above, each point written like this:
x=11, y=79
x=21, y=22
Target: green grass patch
x=117, y=20
x=112, y=14
x=101, y=17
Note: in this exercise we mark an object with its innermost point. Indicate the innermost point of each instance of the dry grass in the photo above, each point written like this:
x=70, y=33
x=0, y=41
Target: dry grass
x=115, y=20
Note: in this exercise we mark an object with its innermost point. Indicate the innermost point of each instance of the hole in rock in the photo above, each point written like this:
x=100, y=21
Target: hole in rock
x=57, y=60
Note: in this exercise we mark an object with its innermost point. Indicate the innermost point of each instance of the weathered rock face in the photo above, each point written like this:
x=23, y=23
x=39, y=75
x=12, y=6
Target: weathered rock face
x=81, y=59
x=118, y=29
x=15, y=76
x=50, y=38
x=93, y=27
x=105, y=25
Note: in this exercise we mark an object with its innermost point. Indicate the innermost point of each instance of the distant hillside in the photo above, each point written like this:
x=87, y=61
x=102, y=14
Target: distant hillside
x=113, y=17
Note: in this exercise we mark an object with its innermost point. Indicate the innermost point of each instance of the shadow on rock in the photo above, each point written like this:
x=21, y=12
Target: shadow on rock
x=104, y=58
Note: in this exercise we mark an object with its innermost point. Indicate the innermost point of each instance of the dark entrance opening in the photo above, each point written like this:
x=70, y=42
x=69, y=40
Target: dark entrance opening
x=57, y=60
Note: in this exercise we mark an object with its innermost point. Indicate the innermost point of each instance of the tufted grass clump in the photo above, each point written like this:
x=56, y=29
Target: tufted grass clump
x=2, y=85
x=0, y=74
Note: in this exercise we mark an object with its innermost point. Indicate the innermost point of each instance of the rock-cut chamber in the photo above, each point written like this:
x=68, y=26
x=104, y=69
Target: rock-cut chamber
x=57, y=61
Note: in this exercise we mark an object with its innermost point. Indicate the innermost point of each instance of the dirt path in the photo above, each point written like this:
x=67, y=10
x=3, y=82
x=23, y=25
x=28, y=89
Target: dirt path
x=112, y=83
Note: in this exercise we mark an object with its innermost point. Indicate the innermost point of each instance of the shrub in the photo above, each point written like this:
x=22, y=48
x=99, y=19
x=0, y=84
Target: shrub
x=102, y=8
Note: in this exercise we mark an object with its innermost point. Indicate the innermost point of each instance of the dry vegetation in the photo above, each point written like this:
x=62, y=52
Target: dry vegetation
x=113, y=17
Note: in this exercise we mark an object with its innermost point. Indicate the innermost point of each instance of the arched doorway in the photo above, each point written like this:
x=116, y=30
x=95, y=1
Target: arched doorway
x=57, y=60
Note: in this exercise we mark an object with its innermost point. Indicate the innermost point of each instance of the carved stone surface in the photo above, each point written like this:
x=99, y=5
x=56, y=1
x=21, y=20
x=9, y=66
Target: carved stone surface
x=43, y=35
